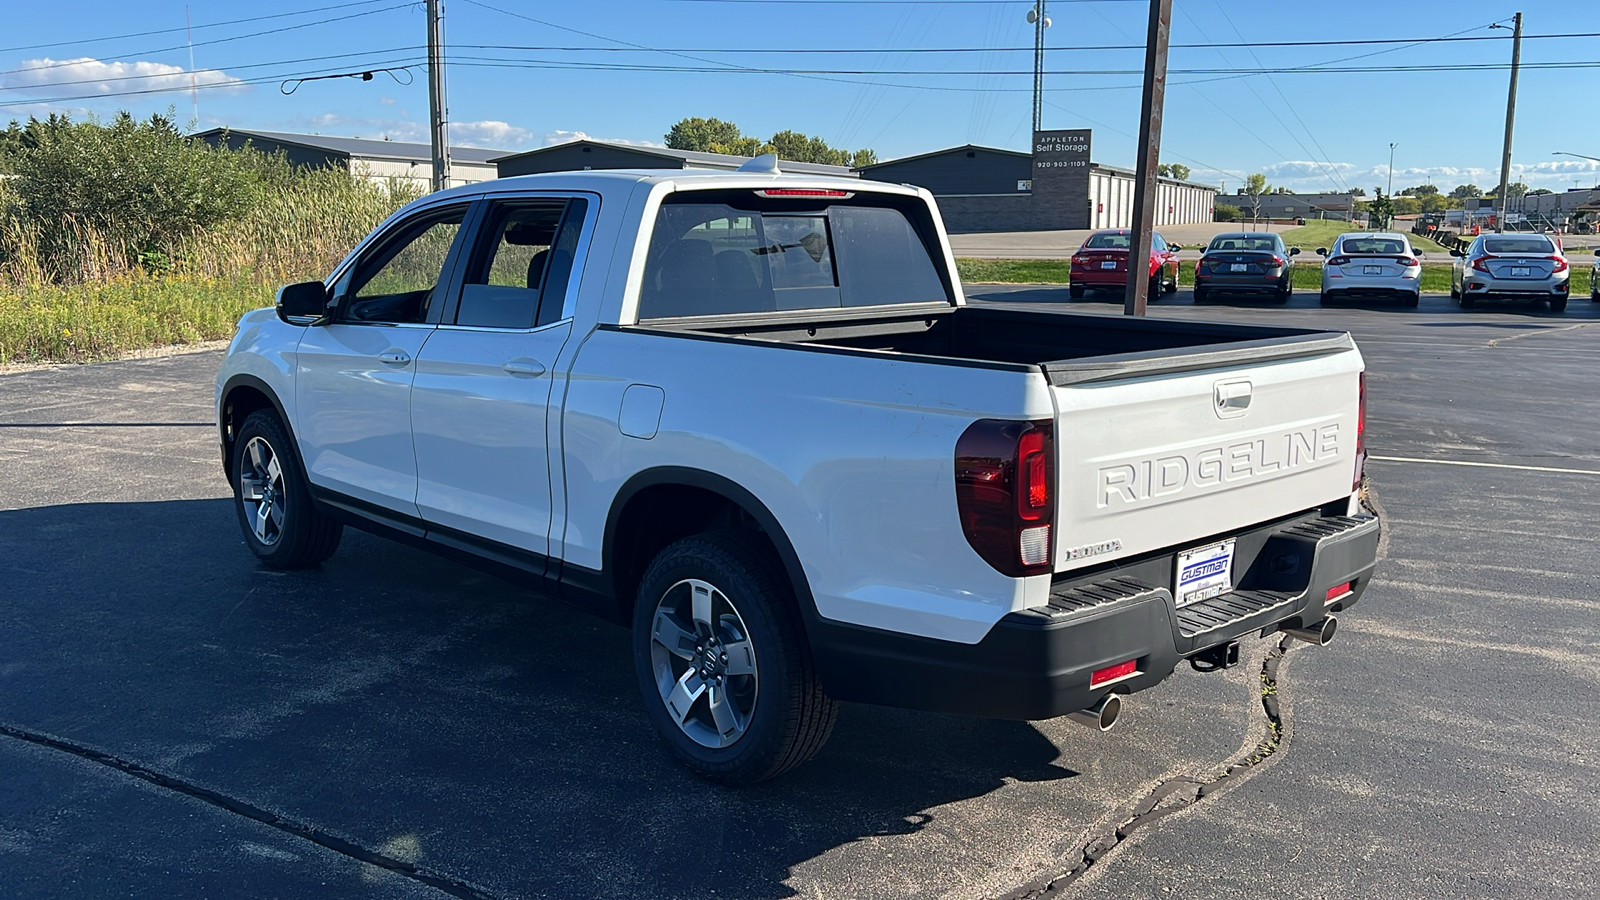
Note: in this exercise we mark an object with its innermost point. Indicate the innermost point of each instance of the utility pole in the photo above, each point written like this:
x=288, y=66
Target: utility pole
x=1040, y=22
x=1392, y=145
x=1511, y=116
x=436, y=98
x=1144, y=184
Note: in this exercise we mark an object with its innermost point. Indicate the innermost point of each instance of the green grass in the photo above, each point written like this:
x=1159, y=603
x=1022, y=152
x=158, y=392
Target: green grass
x=1316, y=234
x=106, y=319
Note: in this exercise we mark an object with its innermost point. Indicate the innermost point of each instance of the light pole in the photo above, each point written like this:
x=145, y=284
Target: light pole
x=1578, y=155
x=1392, y=145
x=1040, y=22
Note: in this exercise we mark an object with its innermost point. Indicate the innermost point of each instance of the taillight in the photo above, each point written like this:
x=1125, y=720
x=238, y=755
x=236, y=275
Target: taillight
x=1560, y=264
x=1079, y=261
x=1361, y=431
x=1408, y=261
x=1005, y=493
x=1276, y=262
x=1481, y=263
x=1339, y=261
x=804, y=192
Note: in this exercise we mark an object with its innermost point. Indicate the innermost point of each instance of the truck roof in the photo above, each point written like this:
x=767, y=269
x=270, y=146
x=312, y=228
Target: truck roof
x=611, y=181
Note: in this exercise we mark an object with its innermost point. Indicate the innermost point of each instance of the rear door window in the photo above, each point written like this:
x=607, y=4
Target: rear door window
x=518, y=276
x=728, y=252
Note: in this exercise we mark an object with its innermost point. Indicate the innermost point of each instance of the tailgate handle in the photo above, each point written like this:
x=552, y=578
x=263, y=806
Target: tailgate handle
x=1232, y=398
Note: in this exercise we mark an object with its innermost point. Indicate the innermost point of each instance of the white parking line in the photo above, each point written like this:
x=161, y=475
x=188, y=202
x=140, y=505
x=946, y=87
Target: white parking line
x=1483, y=465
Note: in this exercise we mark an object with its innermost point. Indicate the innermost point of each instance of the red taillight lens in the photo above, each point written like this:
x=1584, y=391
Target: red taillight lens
x=1275, y=262
x=1113, y=673
x=1005, y=495
x=1481, y=263
x=1408, y=261
x=1361, y=432
x=1560, y=264
x=803, y=192
x=1079, y=261
x=1339, y=261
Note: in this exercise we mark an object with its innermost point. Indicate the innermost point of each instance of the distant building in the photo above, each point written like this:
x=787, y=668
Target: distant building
x=1298, y=206
x=590, y=154
x=1055, y=187
x=1562, y=207
x=378, y=160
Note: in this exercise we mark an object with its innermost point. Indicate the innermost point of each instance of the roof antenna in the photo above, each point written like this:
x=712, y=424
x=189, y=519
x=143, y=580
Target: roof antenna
x=766, y=164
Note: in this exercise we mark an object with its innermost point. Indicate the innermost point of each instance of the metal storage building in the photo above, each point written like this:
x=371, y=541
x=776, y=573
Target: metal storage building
x=378, y=160
x=591, y=154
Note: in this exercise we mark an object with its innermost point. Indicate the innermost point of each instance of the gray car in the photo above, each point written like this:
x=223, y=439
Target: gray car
x=1372, y=265
x=1245, y=262
x=1511, y=267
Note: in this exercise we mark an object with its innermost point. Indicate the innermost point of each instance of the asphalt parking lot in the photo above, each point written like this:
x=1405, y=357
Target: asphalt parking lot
x=177, y=721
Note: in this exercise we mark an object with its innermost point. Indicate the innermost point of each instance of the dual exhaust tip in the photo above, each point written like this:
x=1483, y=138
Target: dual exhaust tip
x=1103, y=715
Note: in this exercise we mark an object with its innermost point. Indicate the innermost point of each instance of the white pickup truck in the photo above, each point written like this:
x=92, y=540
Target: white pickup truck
x=752, y=415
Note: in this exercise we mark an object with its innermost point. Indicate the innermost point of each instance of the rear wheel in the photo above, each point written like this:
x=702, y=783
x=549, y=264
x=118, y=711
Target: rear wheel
x=270, y=495
x=1075, y=291
x=1412, y=300
x=1284, y=292
x=1201, y=295
x=722, y=663
x=1324, y=298
x=1558, y=304
x=1467, y=300
x=1156, y=289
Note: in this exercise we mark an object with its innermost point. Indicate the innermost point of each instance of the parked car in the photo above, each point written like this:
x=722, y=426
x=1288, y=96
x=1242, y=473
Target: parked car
x=752, y=416
x=1372, y=265
x=1246, y=262
x=1530, y=267
x=1594, y=277
x=1101, y=264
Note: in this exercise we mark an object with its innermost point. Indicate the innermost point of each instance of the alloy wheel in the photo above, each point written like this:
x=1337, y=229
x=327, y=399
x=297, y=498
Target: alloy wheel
x=704, y=663
x=261, y=491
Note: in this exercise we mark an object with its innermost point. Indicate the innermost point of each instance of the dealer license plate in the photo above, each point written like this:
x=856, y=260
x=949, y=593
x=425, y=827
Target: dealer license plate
x=1521, y=271
x=1108, y=264
x=1372, y=270
x=1238, y=267
x=1204, y=572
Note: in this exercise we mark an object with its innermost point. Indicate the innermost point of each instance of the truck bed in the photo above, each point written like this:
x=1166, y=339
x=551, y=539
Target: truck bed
x=1071, y=348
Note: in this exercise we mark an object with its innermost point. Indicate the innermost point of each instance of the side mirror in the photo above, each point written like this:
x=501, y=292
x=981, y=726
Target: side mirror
x=1174, y=247
x=1294, y=251
x=1322, y=251
x=303, y=300
x=1457, y=253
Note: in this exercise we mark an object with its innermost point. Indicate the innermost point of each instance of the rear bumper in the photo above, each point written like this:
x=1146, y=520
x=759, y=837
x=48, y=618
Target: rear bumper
x=1101, y=279
x=1237, y=284
x=1501, y=289
x=1036, y=664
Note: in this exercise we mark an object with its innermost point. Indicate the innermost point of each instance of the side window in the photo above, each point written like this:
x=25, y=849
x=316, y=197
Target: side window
x=397, y=281
x=523, y=263
x=1157, y=244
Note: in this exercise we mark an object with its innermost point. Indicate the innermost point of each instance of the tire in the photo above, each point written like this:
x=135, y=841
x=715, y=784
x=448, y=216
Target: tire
x=1594, y=286
x=1153, y=294
x=1201, y=295
x=1323, y=298
x=1558, y=304
x=1075, y=291
x=774, y=716
x=270, y=496
x=1468, y=301
x=1412, y=301
x=1455, y=292
x=1283, y=294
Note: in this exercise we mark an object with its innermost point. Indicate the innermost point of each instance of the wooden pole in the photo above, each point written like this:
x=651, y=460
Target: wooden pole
x=1144, y=186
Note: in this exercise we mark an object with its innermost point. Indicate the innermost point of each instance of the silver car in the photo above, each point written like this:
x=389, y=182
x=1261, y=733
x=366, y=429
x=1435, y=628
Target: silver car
x=1372, y=264
x=1511, y=267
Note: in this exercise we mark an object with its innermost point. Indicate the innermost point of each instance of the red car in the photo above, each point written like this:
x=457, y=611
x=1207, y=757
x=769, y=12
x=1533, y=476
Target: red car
x=1101, y=264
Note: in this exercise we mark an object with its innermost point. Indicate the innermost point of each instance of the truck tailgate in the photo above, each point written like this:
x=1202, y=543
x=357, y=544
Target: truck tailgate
x=1168, y=453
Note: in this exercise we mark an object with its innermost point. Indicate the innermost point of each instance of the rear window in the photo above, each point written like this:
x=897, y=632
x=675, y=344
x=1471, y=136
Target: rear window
x=1519, y=244
x=1244, y=242
x=736, y=252
x=1109, y=242
x=1375, y=247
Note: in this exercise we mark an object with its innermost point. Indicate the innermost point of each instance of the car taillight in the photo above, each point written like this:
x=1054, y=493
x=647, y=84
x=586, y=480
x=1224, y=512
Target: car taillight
x=1361, y=431
x=1276, y=261
x=804, y=192
x=1481, y=263
x=1079, y=260
x=1560, y=264
x=1005, y=493
x=1339, y=261
x=1408, y=261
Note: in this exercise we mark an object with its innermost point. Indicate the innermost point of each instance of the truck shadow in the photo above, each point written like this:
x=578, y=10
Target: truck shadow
x=394, y=696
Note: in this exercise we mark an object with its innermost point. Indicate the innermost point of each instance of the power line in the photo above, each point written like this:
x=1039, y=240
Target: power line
x=134, y=34
x=191, y=72
x=237, y=37
x=488, y=61
x=404, y=62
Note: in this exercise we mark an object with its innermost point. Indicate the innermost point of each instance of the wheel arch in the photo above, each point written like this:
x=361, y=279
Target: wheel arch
x=634, y=535
x=241, y=396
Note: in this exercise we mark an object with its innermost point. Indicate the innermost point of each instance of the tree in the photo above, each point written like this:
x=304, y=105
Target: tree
x=1407, y=206
x=1434, y=202
x=1254, y=186
x=1358, y=192
x=1466, y=192
x=1515, y=189
x=701, y=134
x=1421, y=190
x=1538, y=192
x=1380, y=209
x=1226, y=212
x=1176, y=171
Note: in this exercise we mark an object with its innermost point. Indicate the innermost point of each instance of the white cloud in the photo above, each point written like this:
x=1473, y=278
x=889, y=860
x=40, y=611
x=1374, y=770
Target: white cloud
x=89, y=76
x=551, y=138
x=491, y=134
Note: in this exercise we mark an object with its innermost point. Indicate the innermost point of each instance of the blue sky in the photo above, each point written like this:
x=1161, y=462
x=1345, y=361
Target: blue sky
x=1320, y=131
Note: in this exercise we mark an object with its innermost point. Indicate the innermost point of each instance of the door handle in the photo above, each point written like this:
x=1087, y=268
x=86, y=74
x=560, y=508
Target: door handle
x=524, y=366
x=395, y=356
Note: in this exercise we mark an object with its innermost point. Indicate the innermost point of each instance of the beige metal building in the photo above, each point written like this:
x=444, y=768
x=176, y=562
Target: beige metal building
x=378, y=160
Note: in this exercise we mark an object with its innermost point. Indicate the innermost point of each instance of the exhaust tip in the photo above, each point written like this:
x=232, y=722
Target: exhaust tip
x=1319, y=633
x=1101, y=716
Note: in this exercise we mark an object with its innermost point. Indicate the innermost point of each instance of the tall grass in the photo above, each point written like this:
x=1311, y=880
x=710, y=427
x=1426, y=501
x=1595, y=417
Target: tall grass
x=100, y=300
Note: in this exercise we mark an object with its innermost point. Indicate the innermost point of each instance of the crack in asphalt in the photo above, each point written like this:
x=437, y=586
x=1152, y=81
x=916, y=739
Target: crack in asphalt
x=455, y=887
x=1175, y=794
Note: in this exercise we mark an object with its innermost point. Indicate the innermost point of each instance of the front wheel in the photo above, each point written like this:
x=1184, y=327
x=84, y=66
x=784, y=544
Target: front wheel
x=721, y=659
x=270, y=495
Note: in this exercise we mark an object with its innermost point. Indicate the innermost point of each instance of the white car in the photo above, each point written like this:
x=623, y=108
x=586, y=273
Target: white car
x=1372, y=265
x=751, y=416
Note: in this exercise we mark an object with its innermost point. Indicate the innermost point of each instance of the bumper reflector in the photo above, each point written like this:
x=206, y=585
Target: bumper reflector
x=1337, y=591
x=1113, y=673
